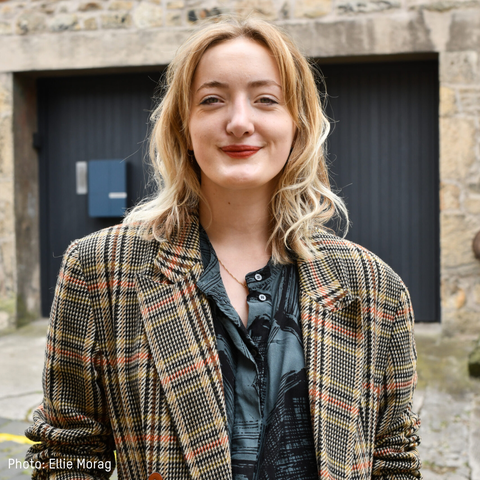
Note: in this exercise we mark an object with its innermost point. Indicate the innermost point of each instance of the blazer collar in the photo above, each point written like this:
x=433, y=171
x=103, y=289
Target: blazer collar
x=176, y=258
x=325, y=278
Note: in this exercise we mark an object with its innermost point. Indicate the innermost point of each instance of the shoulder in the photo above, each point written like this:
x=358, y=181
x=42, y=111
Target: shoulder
x=120, y=247
x=358, y=269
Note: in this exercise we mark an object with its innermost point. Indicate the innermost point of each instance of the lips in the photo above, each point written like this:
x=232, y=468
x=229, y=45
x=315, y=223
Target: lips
x=240, y=151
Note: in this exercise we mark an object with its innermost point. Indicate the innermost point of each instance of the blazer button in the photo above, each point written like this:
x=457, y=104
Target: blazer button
x=155, y=476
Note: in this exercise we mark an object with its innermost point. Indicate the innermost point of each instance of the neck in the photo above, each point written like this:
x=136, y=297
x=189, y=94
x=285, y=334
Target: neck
x=239, y=218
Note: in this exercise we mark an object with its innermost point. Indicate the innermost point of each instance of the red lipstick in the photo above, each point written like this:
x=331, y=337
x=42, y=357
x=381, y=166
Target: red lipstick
x=240, y=151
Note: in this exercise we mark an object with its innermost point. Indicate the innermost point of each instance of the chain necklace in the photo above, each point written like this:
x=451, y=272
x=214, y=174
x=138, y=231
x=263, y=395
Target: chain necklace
x=243, y=284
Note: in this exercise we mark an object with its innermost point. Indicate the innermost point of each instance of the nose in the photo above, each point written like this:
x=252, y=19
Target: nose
x=240, y=120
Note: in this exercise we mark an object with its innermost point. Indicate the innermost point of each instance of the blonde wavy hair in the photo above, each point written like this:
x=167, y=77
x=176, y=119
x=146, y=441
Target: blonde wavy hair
x=303, y=201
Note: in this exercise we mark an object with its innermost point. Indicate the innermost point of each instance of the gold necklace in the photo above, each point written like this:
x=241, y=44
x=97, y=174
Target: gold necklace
x=243, y=284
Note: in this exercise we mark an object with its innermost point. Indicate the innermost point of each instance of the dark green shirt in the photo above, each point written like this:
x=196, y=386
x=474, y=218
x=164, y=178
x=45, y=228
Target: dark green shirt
x=263, y=371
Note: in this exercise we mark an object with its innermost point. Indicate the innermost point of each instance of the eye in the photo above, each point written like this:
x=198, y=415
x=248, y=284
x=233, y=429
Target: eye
x=267, y=101
x=209, y=101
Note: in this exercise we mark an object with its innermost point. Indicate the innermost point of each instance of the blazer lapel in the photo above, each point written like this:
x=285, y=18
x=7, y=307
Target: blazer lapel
x=332, y=336
x=181, y=335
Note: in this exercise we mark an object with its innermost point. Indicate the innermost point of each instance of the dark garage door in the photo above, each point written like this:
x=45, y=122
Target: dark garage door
x=384, y=158
x=383, y=154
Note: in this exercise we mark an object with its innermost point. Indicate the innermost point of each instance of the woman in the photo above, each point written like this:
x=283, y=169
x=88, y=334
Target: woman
x=220, y=332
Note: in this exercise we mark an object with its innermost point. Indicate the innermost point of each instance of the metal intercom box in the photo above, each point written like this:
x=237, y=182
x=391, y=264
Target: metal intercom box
x=107, y=188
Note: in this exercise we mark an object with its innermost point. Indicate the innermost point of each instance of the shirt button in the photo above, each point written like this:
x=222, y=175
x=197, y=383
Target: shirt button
x=262, y=297
x=258, y=277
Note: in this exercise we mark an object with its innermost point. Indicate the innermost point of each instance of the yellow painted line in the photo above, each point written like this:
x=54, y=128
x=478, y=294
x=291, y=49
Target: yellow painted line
x=8, y=437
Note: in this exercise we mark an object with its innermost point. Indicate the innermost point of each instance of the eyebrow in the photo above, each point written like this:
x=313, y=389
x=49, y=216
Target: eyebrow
x=254, y=84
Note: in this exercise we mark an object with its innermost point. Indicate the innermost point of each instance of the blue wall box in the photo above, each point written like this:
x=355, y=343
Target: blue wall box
x=107, y=188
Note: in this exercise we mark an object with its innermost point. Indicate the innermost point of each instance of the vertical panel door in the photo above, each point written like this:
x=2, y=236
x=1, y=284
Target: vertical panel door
x=384, y=158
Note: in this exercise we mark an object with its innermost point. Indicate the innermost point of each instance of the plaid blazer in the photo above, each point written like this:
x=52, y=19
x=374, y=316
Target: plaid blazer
x=132, y=364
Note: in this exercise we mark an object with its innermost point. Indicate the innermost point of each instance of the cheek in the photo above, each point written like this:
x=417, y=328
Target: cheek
x=202, y=132
x=285, y=131
x=286, y=136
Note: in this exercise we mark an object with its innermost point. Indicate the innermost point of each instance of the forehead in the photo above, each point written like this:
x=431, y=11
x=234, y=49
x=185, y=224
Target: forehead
x=237, y=59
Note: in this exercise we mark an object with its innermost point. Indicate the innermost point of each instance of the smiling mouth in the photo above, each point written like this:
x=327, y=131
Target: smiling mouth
x=240, y=151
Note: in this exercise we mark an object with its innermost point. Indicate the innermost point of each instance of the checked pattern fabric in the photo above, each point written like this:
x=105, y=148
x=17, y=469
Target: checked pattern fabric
x=132, y=366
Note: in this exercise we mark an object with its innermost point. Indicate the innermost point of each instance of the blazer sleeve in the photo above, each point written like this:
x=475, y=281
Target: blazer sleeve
x=72, y=423
x=395, y=454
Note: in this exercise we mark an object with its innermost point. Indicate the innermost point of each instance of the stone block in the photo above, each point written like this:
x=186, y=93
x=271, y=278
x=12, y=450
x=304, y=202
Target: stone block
x=174, y=18
x=6, y=128
x=476, y=293
x=203, y=13
x=470, y=100
x=7, y=219
x=370, y=34
x=90, y=24
x=6, y=28
x=438, y=23
x=366, y=6
x=453, y=293
x=6, y=12
x=30, y=21
x=175, y=4
x=449, y=197
x=472, y=205
x=312, y=8
x=456, y=235
x=458, y=67
x=88, y=6
x=6, y=148
x=465, y=29
x=6, y=94
x=440, y=6
x=303, y=35
x=116, y=20
x=285, y=11
x=7, y=253
x=258, y=8
x=448, y=104
x=474, y=185
x=120, y=5
x=47, y=8
x=148, y=15
x=457, y=147
x=64, y=21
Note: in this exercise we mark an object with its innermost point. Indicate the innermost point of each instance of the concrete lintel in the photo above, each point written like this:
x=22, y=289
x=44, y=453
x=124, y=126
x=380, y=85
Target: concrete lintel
x=400, y=33
x=465, y=30
x=81, y=50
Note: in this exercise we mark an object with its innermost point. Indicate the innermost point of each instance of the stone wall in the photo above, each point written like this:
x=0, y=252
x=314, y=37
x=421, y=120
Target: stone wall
x=459, y=190
x=26, y=200
x=73, y=35
x=7, y=216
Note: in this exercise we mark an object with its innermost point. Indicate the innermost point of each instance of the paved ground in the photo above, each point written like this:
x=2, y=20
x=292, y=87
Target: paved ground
x=448, y=402
x=447, y=399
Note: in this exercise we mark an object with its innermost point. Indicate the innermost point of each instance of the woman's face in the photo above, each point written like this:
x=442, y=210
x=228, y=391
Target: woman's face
x=240, y=128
